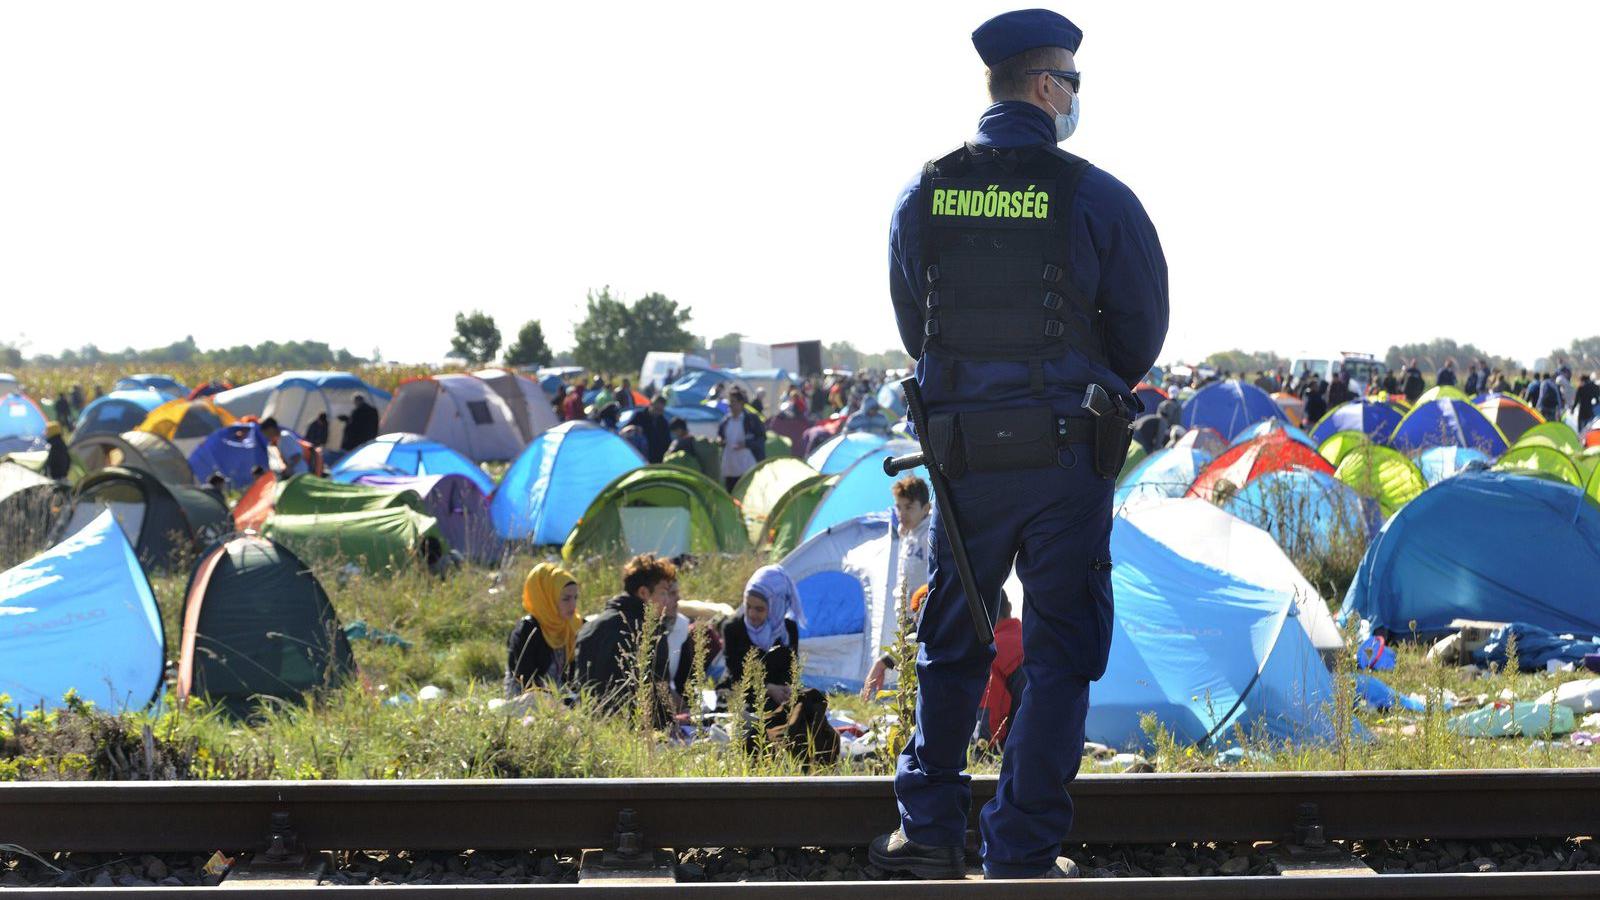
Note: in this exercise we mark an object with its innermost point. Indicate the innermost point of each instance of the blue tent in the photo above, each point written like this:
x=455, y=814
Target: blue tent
x=861, y=489
x=1203, y=642
x=20, y=417
x=1229, y=407
x=407, y=454
x=1267, y=426
x=117, y=412
x=846, y=577
x=164, y=384
x=1439, y=463
x=81, y=616
x=1373, y=418
x=1540, y=566
x=1447, y=423
x=1164, y=473
x=1304, y=509
x=840, y=452
x=695, y=386
x=548, y=488
x=235, y=451
x=892, y=397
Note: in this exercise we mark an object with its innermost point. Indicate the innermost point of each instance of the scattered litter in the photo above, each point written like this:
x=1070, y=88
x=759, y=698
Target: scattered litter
x=1375, y=654
x=430, y=692
x=1536, y=647
x=1373, y=692
x=359, y=630
x=1513, y=719
x=1233, y=756
x=1122, y=763
x=1582, y=696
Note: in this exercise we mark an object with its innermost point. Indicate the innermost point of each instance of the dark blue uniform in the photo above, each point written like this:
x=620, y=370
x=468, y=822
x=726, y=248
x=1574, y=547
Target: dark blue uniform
x=1055, y=523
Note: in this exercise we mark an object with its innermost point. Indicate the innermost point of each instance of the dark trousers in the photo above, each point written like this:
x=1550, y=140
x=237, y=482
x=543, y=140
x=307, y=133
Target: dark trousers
x=1056, y=525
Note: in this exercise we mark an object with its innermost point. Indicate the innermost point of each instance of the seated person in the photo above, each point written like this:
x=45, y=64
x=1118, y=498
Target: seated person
x=768, y=622
x=540, y=648
x=1003, y=694
x=603, y=658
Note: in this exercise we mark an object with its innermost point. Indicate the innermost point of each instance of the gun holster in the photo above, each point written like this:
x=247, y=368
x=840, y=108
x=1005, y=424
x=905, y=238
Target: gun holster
x=1113, y=433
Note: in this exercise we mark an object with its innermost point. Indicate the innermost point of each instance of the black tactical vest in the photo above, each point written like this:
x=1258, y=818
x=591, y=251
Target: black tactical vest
x=997, y=228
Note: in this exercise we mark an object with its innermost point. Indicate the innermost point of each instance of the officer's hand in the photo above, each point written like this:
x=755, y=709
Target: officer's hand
x=874, y=681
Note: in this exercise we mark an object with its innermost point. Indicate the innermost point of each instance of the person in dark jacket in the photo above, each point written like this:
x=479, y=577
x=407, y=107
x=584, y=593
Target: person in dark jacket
x=768, y=623
x=361, y=425
x=1447, y=374
x=1587, y=398
x=1549, y=398
x=653, y=422
x=1316, y=400
x=541, y=647
x=63, y=410
x=1413, y=386
x=57, y=462
x=1391, y=385
x=317, y=431
x=604, y=655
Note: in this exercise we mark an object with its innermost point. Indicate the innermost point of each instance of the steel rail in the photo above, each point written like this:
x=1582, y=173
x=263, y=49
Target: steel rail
x=776, y=812
x=1519, y=886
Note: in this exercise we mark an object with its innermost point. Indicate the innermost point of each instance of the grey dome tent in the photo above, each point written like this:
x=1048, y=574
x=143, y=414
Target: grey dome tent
x=29, y=506
x=165, y=523
x=134, y=450
x=257, y=624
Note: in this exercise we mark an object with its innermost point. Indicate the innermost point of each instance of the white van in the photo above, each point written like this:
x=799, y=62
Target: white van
x=658, y=364
x=1364, y=368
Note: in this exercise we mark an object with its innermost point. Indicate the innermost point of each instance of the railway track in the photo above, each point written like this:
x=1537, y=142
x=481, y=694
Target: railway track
x=279, y=829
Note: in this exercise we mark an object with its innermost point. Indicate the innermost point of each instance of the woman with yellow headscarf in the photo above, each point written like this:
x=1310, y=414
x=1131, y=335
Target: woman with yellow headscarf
x=540, y=647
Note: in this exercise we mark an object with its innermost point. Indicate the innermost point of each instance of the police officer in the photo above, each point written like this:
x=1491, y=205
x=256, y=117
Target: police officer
x=1020, y=275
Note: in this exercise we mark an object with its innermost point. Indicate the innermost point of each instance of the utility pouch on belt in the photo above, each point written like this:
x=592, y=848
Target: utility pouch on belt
x=998, y=440
x=1112, y=435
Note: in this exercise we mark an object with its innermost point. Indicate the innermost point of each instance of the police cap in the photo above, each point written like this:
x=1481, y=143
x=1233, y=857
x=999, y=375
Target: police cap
x=1008, y=34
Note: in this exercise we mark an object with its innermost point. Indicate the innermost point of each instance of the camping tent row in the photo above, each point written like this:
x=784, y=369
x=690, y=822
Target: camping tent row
x=489, y=415
x=82, y=617
x=1215, y=626
x=382, y=521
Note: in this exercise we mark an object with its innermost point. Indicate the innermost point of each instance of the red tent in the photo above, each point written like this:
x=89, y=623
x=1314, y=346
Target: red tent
x=1272, y=452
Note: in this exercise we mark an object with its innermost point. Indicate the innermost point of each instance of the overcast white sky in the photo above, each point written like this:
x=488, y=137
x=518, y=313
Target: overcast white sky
x=1323, y=175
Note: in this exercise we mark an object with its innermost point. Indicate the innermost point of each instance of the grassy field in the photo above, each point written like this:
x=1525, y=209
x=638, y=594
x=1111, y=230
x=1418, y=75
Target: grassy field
x=457, y=627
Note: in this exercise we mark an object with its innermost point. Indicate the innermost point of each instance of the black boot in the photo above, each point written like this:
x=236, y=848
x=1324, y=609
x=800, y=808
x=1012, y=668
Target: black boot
x=894, y=852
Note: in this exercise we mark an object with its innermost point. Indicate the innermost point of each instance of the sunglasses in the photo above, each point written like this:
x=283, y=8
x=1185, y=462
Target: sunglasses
x=1073, y=78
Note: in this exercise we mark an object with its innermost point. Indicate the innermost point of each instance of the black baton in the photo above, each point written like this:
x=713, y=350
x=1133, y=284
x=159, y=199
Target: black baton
x=947, y=508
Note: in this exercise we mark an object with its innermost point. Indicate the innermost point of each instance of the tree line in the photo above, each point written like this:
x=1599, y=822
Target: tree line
x=1583, y=355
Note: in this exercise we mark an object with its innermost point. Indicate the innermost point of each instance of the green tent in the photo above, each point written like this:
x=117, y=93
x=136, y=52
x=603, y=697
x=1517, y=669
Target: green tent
x=1442, y=392
x=659, y=509
x=305, y=495
x=1543, y=461
x=376, y=538
x=1555, y=435
x=786, y=524
x=257, y=623
x=778, y=445
x=1593, y=490
x=1381, y=472
x=1336, y=445
x=706, y=459
x=1587, y=462
x=1136, y=455
x=762, y=487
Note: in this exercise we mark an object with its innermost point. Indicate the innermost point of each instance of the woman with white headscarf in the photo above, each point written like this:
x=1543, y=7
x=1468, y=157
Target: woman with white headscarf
x=768, y=622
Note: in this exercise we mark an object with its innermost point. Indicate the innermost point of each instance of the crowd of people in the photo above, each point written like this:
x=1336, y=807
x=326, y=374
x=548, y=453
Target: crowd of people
x=553, y=649
x=1553, y=393
x=808, y=414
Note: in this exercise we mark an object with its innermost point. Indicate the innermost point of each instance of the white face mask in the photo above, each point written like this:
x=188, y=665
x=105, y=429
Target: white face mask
x=1066, y=123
